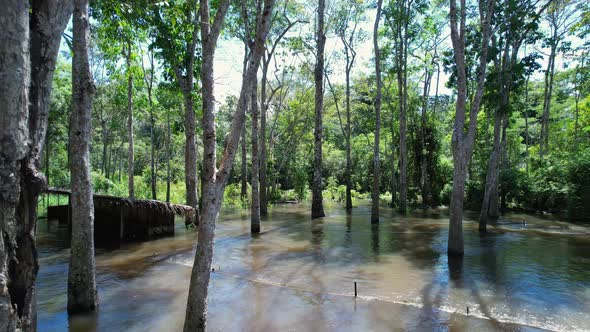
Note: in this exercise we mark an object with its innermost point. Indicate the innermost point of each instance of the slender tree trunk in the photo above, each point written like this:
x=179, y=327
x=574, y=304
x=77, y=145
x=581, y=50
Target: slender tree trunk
x=526, y=121
x=548, y=91
x=190, y=154
x=168, y=154
x=82, y=296
x=130, y=162
x=393, y=177
x=317, y=205
x=376, y=149
x=348, y=146
x=152, y=152
x=262, y=159
x=15, y=74
x=255, y=203
x=244, y=168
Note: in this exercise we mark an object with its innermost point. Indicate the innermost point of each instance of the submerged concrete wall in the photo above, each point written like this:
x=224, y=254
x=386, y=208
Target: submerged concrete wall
x=118, y=220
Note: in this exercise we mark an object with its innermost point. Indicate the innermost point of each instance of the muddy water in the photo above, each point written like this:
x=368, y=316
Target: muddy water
x=527, y=274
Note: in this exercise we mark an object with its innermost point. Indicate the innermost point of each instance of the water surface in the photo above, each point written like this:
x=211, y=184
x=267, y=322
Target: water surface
x=529, y=273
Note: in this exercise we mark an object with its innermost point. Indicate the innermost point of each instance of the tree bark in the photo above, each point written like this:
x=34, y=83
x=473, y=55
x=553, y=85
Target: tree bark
x=216, y=179
x=82, y=295
x=376, y=162
x=15, y=74
x=317, y=205
x=47, y=22
x=255, y=203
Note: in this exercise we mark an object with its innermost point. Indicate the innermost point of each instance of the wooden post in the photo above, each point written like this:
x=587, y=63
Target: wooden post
x=355, y=291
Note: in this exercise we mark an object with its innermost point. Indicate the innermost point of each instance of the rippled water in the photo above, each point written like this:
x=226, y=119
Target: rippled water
x=528, y=273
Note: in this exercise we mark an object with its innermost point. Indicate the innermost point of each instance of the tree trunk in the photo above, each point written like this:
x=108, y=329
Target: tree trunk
x=317, y=205
x=152, y=152
x=82, y=295
x=130, y=161
x=548, y=91
x=14, y=102
x=376, y=149
x=47, y=22
x=168, y=154
x=244, y=168
x=526, y=121
x=190, y=153
x=255, y=203
x=347, y=134
x=490, y=190
x=262, y=159
x=455, y=240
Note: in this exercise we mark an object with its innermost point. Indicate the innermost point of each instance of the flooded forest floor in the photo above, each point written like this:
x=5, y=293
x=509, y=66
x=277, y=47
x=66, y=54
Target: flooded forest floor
x=526, y=274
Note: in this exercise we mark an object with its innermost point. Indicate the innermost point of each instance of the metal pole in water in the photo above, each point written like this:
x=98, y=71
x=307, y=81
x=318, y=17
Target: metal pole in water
x=355, y=292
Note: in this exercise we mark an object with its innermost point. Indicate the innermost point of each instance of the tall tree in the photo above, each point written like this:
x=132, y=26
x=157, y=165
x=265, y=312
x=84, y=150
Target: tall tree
x=560, y=17
x=82, y=295
x=462, y=141
x=283, y=24
x=517, y=20
x=346, y=30
x=15, y=77
x=215, y=178
x=176, y=37
x=376, y=150
x=317, y=205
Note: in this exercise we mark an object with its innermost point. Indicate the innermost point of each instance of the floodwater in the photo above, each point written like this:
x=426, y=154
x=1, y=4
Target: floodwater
x=527, y=274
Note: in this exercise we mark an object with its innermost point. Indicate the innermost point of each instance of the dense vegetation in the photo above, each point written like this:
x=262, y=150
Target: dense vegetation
x=558, y=181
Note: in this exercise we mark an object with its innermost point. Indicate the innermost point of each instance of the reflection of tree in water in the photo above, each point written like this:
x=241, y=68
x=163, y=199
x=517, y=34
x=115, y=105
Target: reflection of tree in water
x=416, y=242
x=317, y=237
x=375, y=241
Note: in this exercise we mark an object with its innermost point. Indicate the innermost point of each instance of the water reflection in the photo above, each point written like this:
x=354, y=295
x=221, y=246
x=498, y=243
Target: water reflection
x=301, y=273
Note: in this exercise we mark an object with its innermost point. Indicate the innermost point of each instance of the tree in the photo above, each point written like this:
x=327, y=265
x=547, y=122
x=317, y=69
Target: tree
x=560, y=18
x=317, y=205
x=82, y=295
x=462, y=141
x=216, y=177
x=376, y=161
x=175, y=31
x=349, y=14
x=517, y=19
